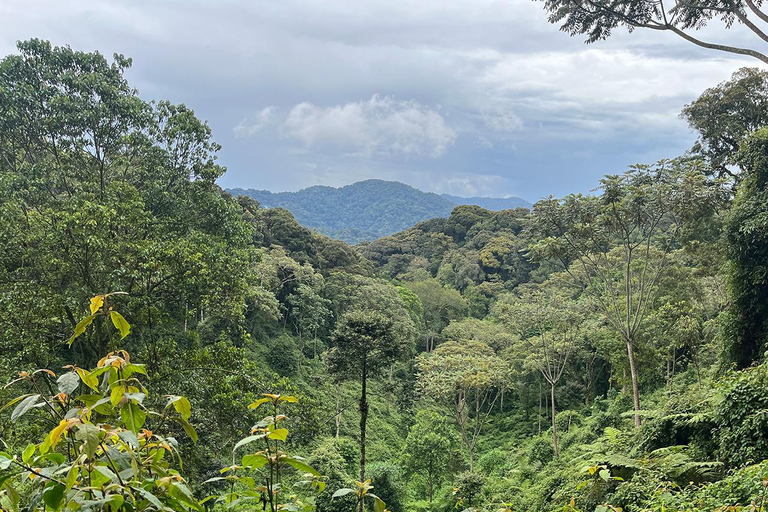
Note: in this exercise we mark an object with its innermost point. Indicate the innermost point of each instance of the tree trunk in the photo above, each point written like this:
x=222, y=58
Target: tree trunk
x=363, y=419
x=540, y=400
x=554, y=425
x=338, y=411
x=635, y=385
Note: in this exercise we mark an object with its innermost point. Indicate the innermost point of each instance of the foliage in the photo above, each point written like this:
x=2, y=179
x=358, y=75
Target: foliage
x=745, y=237
x=102, y=452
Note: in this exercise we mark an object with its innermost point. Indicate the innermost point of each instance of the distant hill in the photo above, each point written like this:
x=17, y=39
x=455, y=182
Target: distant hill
x=369, y=209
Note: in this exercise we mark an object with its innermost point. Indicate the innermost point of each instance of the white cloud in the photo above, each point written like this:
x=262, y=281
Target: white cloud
x=250, y=127
x=381, y=126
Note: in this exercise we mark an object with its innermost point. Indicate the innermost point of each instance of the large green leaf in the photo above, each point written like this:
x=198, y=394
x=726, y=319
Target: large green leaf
x=182, y=406
x=53, y=495
x=133, y=416
x=247, y=440
x=300, y=466
x=342, y=492
x=280, y=434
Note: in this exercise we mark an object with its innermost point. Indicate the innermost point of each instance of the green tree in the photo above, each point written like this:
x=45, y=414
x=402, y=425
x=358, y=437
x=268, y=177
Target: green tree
x=468, y=377
x=428, y=449
x=747, y=249
x=725, y=114
x=365, y=342
x=616, y=246
x=548, y=324
x=441, y=305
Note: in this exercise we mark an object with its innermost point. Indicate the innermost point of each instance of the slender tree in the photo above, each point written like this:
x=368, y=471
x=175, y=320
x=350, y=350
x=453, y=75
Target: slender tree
x=365, y=342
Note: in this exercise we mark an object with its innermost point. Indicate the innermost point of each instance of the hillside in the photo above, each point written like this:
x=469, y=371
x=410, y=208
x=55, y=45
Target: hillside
x=369, y=209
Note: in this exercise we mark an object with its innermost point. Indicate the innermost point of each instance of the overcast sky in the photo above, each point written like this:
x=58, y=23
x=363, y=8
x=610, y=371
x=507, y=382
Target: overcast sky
x=468, y=97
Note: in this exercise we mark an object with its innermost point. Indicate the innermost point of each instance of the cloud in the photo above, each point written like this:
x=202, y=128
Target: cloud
x=482, y=88
x=262, y=119
x=381, y=126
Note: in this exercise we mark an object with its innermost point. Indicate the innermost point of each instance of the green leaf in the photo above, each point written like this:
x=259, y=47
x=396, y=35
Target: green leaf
x=88, y=434
x=80, y=328
x=88, y=378
x=342, y=492
x=378, y=505
x=129, y=438
x=24, y=406
x=254, y=460
x=182, y=406
x=247, y=440
x=300, y=466
x=72, y=475
x=150, y=498
x=189, y=429
x=132, y=416
x=120, y=323
x=116, y=395
x=107, y=473
x=605, y=474
x=258, y=403
x=53, y=495
x=5, y=461
x=115, y=502
x=27, y=453
x=68, y=382
x=280, y=434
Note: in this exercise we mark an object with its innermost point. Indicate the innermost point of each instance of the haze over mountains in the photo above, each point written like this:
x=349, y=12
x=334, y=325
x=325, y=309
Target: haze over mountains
x=369, y=209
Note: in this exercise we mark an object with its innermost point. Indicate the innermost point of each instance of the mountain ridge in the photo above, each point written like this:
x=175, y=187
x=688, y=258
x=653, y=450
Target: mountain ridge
x=369, y=209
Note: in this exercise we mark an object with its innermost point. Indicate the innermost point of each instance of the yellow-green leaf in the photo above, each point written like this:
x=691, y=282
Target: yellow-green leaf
x=121, y=324
x=96, y=303
x=80, y=327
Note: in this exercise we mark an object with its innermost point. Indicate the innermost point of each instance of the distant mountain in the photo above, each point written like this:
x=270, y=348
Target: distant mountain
x=369, y=209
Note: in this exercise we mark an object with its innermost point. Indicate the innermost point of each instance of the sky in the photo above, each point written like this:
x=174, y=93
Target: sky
x=466, y=97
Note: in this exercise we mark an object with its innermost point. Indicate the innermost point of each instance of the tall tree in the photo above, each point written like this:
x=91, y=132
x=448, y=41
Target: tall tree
x=365, y=342
x=616, y=246
x=441, y=305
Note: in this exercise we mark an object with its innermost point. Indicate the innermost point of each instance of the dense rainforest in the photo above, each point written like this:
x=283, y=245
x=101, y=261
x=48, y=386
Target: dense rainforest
x=170, y=346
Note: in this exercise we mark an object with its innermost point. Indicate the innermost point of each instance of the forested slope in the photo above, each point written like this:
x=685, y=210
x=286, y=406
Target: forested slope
x=599, y=352
x=368, y=209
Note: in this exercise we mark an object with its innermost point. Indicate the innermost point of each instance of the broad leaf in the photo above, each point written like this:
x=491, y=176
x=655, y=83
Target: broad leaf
x=120, y=323
x=68, y=382
x=247, y=440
